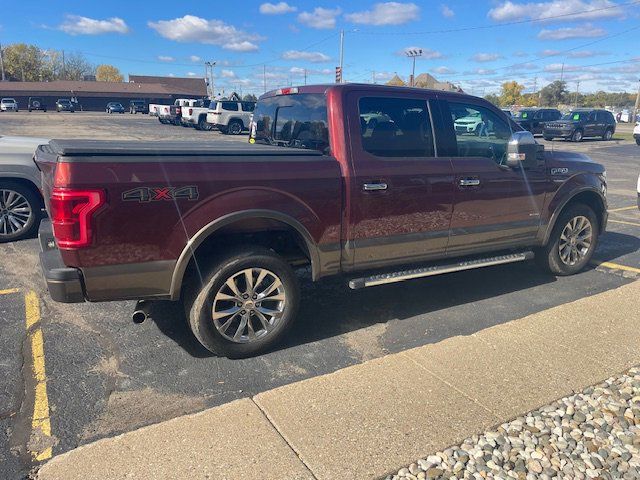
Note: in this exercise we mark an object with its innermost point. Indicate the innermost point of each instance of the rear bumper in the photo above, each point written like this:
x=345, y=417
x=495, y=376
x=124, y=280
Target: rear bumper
x=64, y=283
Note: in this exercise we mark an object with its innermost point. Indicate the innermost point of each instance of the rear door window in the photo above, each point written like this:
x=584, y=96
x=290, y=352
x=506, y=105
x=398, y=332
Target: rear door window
x=230, y=106
x=396, y=127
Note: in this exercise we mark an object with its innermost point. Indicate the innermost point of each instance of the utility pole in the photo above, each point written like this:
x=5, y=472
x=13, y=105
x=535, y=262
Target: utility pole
x=264, y=77
x=413, y=54
x=535, y=87
x=64, y=67
x=305, y=76
x=209, y=66
x=577, y=90
x=2, y=63
x=562, y=72
x=636, y=109
x=373, y=76
x=341, y=55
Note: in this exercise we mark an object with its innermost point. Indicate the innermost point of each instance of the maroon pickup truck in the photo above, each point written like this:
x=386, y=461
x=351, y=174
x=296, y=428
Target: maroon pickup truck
x=380, y=184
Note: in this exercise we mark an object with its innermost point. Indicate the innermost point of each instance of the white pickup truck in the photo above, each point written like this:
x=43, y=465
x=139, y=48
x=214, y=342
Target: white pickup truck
x=172, y=113
x=196, y=115
x=636, y=133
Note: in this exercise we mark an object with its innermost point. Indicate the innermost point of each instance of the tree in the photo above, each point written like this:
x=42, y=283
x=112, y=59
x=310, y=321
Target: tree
x=250, y=97
x=554, y=94
x=22, y=62
x=76, y=67
x=108, y=73
x=493, y=98
x=511, y=93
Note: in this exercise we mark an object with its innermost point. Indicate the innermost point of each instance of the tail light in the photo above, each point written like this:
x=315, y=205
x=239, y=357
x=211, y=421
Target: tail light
x=72, y=213
x=178, y=110
x=191, y=111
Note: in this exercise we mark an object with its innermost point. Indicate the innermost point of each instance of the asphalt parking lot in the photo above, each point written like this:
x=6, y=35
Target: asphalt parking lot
x=105, y=375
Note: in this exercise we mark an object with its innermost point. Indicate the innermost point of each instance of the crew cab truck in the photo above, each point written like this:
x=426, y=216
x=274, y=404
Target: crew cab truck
x=221, y=227
x=196, y=115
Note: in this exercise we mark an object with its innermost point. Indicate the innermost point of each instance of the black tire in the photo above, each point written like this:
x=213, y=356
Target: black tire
x=548, y=138
x=202, y=124
x=44, y=110
x=608, y=135
x=577, y=136
x=548, y=257
x=199, y=301
x=35, y=203
x=29, y=110
x=222, y=129
x=637, y=141
x=235, y=127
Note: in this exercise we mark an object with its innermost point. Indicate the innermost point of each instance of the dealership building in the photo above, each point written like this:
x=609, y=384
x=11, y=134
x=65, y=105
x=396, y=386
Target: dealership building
x=94, y=96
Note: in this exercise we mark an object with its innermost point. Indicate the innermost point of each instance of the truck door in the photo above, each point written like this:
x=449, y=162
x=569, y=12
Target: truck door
x=494, y=206
x=402, y=192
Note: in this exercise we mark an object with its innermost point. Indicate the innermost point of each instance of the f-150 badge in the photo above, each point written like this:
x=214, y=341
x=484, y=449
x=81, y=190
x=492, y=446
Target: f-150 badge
x=157, y=194
x=559, y=171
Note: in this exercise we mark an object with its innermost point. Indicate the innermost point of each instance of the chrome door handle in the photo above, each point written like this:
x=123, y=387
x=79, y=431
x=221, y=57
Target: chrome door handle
x=374, y=187
x=469, y=182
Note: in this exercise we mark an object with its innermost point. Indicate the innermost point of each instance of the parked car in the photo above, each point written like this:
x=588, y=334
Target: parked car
x=65, y=105
x=467, y=123
x=196, y=116
x=37, y=103
x=582, y=123
x=220, y=227
x=636, y=133
x=175, y=110
x=8, y=105
x=230, y=117
x=114, y=107
x=20, y=198
x=534, y=119
x=138, y=106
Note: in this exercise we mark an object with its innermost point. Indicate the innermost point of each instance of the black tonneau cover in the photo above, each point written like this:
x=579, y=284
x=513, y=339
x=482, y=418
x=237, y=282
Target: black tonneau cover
x=88, y=148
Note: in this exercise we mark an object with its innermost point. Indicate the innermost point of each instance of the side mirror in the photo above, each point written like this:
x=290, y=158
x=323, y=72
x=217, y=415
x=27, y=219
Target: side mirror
x=521, y=150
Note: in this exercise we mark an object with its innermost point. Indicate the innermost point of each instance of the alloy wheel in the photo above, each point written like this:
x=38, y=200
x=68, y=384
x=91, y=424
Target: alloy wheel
x=575, y=240
x=249, y=305
x=15, y=213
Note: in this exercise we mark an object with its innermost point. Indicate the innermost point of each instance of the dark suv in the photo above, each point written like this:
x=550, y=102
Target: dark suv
x=534, y=119
x=36, y=103
x=65, y=105
x=582, y=123
x=140, y=106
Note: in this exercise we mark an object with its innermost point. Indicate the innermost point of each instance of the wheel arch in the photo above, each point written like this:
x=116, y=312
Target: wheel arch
x=210, y=231
x=588, y=196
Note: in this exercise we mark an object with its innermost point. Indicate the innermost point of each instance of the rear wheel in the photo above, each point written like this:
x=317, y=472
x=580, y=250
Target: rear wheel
x=203, y=125
x=245, y=305
x=235, y=128
x=548, y=138
x=608, y=134
x=577, y=136
x=638, y=141
x=572, y=242
x=19, y=211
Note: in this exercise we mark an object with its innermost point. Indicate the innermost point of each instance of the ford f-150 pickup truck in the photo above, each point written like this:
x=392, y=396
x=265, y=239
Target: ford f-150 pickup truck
x=221, y=227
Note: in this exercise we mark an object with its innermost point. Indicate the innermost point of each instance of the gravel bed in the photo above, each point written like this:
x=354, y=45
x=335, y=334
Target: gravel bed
x=593, y=434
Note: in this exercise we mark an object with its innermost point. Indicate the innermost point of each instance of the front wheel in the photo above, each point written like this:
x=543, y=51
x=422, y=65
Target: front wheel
x=572, y=242
x=234, y=128
x=577, y=136
x=19, y=211
x=245, y=305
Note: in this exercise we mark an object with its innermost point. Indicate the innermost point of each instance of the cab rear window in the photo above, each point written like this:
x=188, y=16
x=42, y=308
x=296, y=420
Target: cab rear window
x=298, y=121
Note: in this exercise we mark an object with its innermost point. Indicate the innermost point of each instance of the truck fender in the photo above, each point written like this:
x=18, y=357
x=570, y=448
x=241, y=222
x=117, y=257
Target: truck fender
x=561, y=199
x=209, y=229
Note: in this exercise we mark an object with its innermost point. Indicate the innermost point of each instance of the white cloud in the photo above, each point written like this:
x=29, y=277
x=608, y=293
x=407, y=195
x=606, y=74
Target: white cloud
x=560, y=67
x=191, y=74
x=513, y=11
x=549, y=53
x=584, y=31
x=320, y=18
x=426, y=52
x=165, y=58
x=524, y=66
x=388, y=13
x=299, y=71
x=585, y=54
x=486, y=57
x=213, y=32
x=443, y=71
x=195, y=58
x=228, y=74
x=77, y=25
x=276, y=8
x=520, y=53
x=480, y=71
x=446, y=11
x=313, y=57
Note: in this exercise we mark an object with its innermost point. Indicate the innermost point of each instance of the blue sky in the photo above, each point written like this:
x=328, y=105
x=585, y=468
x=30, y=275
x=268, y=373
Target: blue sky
x=477, y=45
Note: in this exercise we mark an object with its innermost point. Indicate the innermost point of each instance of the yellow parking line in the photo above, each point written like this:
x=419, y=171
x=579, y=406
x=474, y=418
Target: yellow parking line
x=633, y=207
x=40, y=423
x=615, y=266
x=624, y=223
x=9, y=291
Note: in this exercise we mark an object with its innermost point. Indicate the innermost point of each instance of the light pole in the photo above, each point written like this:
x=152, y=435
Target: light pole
x=210, y=65
x=577, y=90
x=413, y=54
x=636, y=109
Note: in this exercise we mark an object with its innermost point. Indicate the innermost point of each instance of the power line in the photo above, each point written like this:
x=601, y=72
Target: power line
x=504, y=24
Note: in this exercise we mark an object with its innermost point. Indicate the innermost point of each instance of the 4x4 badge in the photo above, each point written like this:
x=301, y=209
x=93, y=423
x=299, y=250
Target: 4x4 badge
x=559, y=171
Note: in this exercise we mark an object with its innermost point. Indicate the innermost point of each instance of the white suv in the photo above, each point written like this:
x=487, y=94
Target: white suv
x=7, y=104
x=636, y=133
x=231, y=117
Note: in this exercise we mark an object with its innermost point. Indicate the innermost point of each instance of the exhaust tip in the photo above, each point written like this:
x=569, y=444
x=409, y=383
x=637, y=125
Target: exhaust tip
x=139, y=316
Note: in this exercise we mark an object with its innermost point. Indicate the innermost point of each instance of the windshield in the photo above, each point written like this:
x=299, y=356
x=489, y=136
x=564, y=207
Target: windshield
x=575, y=116
x=8, y=100
x=292, y=121
x=523, y=114
x=64, y=100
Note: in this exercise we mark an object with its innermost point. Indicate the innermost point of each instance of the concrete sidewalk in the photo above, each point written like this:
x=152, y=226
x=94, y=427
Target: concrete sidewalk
x=367, y=420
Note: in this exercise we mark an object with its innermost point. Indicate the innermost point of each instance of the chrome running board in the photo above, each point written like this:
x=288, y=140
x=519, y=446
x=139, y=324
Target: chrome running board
x=394, y=277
